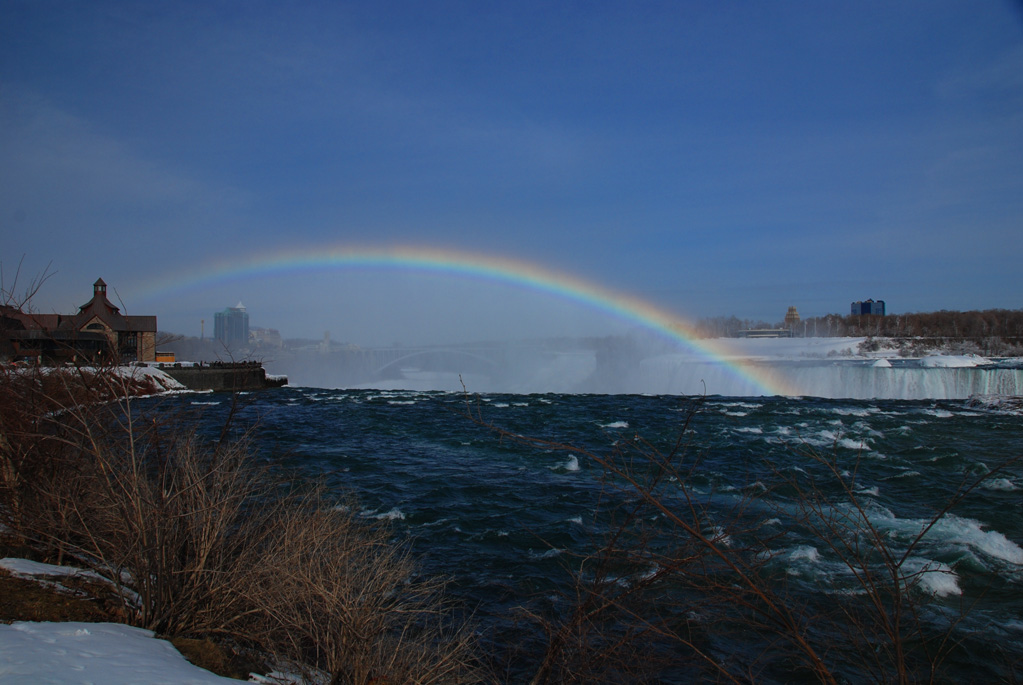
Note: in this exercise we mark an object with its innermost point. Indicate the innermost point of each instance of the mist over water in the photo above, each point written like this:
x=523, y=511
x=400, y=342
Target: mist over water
x=638, y=365
x=406, y=329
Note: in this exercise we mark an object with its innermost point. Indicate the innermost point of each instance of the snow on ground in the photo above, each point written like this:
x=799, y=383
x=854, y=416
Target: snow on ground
x=155, y=376
x=802, y=349
x=41, y=573
x=766, y=349
x=23, y=568
x=74, y=653
x=79, y=653
x=949, y=361
x=142, y=373
x=71, y=652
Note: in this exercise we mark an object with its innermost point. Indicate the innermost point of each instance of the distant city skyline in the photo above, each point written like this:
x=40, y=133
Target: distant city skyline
x=704, y=159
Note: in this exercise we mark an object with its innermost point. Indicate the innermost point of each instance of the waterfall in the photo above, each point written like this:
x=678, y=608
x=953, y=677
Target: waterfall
x=622, y=367
x=866, y=382
x=841, y=379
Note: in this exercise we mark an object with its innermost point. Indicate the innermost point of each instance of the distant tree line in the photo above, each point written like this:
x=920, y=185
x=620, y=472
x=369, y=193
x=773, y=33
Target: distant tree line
x=729, y=326
x=1006, y=324
x=1001, y=323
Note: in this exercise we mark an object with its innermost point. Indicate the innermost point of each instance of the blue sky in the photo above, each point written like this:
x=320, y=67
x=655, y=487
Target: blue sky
x=712, y=158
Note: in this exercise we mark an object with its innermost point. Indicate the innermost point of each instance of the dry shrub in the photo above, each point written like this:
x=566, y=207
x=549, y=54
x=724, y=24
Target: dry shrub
x=203, y=541
x=345, y=597
x=32, y=403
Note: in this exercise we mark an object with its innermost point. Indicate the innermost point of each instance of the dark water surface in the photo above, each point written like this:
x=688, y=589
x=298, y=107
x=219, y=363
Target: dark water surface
x=504, y=519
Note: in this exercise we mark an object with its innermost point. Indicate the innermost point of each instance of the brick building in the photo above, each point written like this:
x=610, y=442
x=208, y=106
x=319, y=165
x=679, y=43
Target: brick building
x=97, y=333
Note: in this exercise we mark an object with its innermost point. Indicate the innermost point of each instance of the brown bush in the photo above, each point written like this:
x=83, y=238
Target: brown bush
x=201, y=541
x=343, y=596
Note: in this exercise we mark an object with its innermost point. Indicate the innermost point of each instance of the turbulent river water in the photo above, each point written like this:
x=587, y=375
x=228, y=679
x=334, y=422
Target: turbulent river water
x=507, y=520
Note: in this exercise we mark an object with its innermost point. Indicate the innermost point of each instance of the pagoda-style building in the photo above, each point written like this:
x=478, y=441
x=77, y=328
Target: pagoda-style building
x=791, y=318
x=97, y=333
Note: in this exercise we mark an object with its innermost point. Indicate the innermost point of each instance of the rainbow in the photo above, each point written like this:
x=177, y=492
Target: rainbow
x=502, y=270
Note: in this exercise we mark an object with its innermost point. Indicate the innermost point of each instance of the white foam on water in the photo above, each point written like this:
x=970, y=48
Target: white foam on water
x=854, y=411
x=909, y=473
x=952, y=530
x=615, y=424
x=804, y=553
x=852, y=444
x=990, y=542
x=576, y=519
x=571, y=465
x=740, y=405
x=824, y=438
x=1003, y=484
x=998, y=403
x=394, y=514
x=718, y=534
x=753, y=430
x=933, y=577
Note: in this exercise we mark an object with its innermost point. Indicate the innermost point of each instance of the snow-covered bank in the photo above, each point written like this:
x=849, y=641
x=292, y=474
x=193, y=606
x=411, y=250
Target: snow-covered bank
x=80, y=653
x=142, y=379
x=152, y=376
x=74, y=652
x=24, y=568
x=69, y=652
x=788, y=349
x=953, y=361
x=797, y=349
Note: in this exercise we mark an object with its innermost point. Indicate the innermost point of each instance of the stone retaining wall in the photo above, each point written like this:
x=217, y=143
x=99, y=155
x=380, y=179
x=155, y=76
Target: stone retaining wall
x=222, y=377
